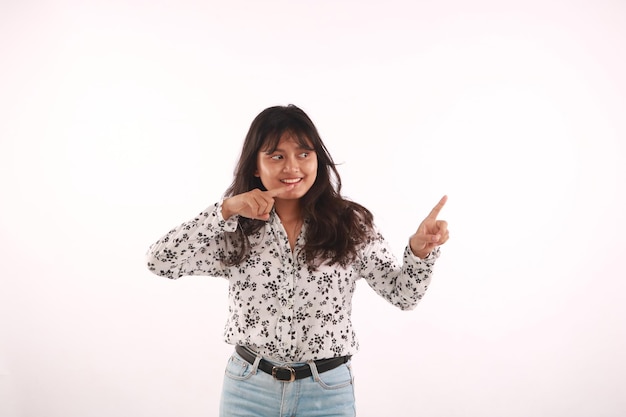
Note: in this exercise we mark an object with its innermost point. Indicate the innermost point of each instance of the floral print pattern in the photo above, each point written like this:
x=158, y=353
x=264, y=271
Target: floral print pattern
x=278, y=305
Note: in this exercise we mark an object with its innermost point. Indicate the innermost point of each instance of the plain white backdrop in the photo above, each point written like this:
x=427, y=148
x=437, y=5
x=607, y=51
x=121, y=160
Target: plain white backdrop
x=121, y=119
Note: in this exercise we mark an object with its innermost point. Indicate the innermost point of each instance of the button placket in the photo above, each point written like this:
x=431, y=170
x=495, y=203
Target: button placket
x=285, y=292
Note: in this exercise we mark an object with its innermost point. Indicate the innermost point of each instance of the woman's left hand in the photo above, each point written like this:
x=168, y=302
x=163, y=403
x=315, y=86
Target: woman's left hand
x=431, y=232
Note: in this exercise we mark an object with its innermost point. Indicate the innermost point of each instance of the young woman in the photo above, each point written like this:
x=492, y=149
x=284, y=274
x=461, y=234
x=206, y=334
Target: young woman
x=292, y=249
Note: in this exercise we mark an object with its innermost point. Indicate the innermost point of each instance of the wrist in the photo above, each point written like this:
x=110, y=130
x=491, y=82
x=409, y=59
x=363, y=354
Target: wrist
x=226, y=212
x=421, y=253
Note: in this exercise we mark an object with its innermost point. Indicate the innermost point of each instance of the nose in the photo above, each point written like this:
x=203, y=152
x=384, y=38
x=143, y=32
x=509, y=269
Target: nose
x=291, y=164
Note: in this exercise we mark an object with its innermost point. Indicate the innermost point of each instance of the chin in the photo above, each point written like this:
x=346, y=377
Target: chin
x=291, y=197
x=294, y=195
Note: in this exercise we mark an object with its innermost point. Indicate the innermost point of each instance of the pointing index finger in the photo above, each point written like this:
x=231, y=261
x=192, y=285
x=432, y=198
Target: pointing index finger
x=435, y=211
x=278, y=191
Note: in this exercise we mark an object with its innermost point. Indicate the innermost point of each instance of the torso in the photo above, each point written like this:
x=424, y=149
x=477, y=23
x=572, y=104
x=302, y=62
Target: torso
x=293, y=231
x=290, y=216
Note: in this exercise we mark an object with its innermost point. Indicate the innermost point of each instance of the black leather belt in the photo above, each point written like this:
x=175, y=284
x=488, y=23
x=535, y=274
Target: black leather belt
x=288, y=373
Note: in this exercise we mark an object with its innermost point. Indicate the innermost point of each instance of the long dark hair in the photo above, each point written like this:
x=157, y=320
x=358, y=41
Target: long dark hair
x=335, y=225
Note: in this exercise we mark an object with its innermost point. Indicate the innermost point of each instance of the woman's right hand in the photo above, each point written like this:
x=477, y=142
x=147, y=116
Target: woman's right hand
x=255, y=204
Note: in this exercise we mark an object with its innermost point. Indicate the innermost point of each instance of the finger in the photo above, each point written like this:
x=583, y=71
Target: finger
x=444, y=232
x=263, y=205
x=252, y=211
x=278, y=191
x=435, y=211
x=428, y=239
x=442, y=227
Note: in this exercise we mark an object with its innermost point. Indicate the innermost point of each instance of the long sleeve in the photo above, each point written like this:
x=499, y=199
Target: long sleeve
x=402, y=285
x=277, y=303
x=196, y=247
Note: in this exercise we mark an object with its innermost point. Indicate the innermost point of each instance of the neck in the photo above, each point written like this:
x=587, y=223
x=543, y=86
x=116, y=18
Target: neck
x=288, y=210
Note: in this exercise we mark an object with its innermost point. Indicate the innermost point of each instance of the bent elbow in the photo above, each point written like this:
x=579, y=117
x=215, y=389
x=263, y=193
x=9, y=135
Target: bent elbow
x=408, y=306
x=158, y=267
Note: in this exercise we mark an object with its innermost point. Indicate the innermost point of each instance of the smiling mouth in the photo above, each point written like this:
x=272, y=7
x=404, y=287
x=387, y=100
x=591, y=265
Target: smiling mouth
x=291, y=180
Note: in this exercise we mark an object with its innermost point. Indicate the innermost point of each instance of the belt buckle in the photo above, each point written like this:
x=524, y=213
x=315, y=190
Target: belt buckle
x=279, y=373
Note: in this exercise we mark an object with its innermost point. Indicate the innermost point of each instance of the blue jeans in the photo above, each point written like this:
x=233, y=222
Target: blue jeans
x=249, y=392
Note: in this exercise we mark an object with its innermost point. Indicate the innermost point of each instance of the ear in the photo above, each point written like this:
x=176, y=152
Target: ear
x=256, y=173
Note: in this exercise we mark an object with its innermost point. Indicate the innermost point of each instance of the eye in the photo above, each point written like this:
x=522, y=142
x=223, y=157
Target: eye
x=277, y=157
x=305, y=154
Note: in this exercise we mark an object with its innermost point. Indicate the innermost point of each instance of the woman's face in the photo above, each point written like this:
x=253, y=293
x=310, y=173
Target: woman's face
x=289, y=163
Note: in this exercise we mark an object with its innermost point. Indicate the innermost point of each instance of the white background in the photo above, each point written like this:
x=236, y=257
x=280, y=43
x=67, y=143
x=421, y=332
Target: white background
x=121, y=119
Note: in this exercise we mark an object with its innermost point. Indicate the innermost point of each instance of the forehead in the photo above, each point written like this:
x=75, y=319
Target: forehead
x=286, y=139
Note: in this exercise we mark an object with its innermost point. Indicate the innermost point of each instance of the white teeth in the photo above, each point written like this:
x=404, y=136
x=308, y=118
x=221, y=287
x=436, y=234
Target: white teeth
x=291, y=181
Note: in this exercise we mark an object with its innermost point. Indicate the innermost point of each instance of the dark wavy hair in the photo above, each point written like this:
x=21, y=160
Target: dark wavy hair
x=335, y=226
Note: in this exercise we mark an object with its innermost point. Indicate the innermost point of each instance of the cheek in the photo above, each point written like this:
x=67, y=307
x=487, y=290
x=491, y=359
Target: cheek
x=313, y=173
x=312, y=166
x=262, y=170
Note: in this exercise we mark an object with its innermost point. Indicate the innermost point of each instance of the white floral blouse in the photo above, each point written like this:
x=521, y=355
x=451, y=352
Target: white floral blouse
x=278, y=306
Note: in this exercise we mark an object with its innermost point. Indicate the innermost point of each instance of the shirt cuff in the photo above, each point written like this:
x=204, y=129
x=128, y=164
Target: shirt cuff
x=429, y=260
x=229, y=225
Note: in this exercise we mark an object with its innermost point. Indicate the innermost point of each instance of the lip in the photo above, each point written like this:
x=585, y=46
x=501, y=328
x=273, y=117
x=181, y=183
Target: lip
x=291, y=181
